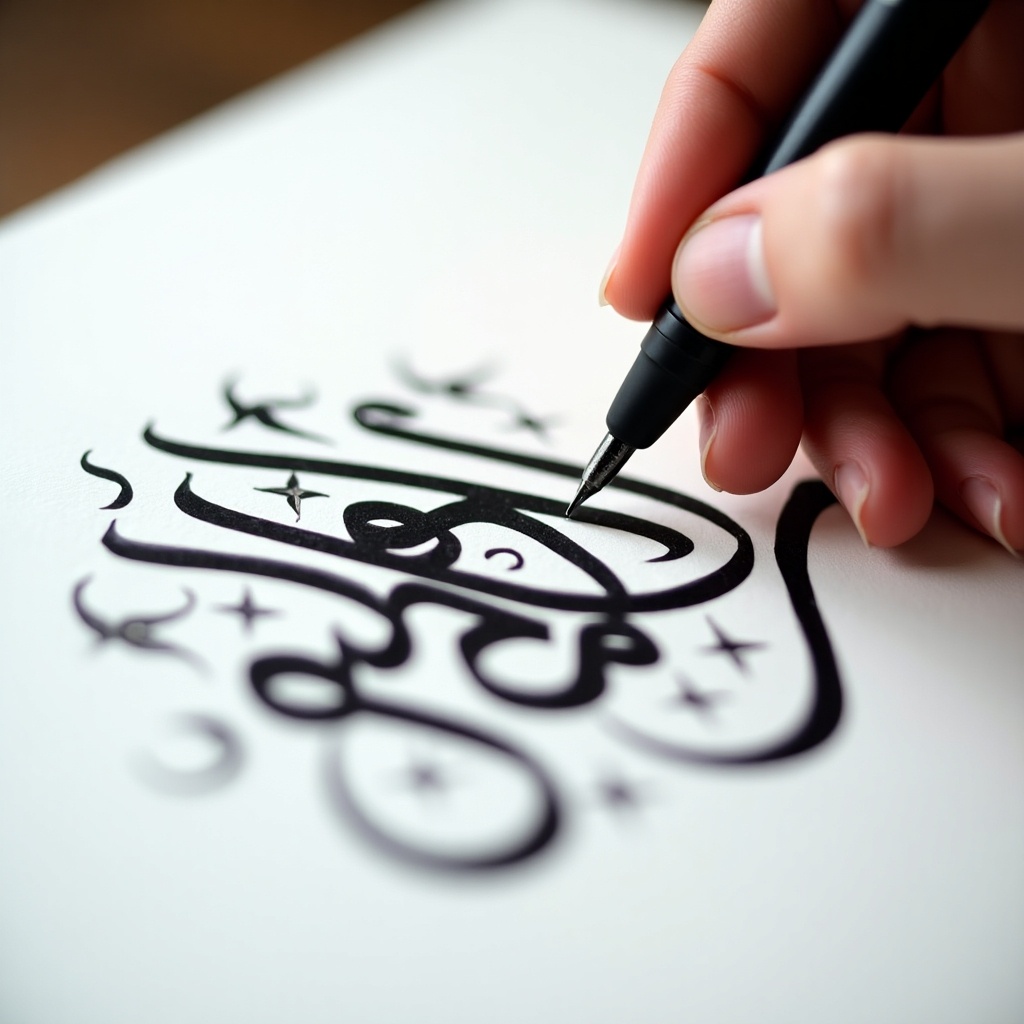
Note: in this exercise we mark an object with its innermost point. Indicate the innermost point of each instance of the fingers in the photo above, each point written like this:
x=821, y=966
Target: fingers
x=753, y=415
x=859, y=445
x=945, y=391
x=859, y=240
x=983, y=87
x=732, y=85
x=750, y=421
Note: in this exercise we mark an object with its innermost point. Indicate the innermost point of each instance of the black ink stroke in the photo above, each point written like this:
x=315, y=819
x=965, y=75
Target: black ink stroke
x=223, y=768
x=518, y=561
x=103, y=473
x=264, y=412
x=465, y=389
x=792, y=535
x=416, y=543
x=347, y=702
x=600, y=645
x=137, y=630
x=480, y=504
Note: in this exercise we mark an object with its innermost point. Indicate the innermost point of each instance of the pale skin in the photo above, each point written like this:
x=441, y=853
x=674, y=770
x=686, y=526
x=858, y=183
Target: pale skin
x=876, y=289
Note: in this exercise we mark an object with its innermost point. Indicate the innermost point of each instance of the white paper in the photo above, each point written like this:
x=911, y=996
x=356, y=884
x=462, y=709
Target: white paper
x=418, y=223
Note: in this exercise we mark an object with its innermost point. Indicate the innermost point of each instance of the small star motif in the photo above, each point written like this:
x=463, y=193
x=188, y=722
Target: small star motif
x=536, y=425
x=460, y=388
x=619, y=795
x=294, y=493
x=700, y=702
x=734, y=649
x=248, y=610
x=425, y=778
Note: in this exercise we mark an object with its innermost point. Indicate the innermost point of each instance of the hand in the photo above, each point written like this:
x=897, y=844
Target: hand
x=876, y=288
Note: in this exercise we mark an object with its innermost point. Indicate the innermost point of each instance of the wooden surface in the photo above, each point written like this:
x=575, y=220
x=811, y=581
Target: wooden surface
x=84, y=80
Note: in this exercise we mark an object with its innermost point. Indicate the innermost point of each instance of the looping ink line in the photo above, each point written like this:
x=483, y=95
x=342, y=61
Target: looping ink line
x=792, y=535
x=109, y=474
x=596, y=649
x=487, y=504
x=424, y=544
x=347, y=703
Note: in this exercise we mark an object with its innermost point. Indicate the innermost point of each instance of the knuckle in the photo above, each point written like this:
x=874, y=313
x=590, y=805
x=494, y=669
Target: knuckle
x=858, y=187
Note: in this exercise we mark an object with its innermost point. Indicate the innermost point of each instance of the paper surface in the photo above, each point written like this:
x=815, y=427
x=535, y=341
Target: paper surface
x=335, y=717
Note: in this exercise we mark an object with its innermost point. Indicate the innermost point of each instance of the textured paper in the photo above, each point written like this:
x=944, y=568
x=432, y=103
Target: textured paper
x=793, y=794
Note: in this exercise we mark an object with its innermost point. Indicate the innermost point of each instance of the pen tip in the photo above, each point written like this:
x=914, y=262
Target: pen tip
x=581, y=496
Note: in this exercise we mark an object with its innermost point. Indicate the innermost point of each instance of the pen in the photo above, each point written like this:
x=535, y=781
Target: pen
x=890, y=55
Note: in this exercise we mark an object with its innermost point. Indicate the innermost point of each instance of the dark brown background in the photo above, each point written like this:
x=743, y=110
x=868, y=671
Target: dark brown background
x=83, y=80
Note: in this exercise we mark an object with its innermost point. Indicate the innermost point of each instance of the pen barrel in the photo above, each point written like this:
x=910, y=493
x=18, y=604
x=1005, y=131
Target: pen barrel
x=891, y=54
x=882, y=68
x=675, y=364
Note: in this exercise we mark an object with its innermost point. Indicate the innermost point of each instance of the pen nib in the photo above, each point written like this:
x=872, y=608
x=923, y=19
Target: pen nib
x=610, y=457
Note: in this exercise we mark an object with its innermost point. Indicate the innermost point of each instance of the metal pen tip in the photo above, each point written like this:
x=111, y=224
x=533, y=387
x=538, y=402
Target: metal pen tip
x=582, y=494
x=610, y=457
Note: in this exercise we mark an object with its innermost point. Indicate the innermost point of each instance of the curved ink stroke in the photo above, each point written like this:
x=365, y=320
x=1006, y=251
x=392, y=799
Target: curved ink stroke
x=541, y=832
x=792, y=537
x=519, y=560
x=103, y=473
x=263, y=412
x=136, y=630
x=598, y=649
x=466, y=389
x=197, y=782
x=487, y=504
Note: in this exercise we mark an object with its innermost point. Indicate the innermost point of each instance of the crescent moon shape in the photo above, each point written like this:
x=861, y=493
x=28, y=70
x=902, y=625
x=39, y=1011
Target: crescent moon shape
x=227, y=757
x=507, y=551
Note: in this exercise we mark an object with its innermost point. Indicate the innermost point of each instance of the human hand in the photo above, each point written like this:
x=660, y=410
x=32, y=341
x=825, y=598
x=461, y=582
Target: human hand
x=876, y=288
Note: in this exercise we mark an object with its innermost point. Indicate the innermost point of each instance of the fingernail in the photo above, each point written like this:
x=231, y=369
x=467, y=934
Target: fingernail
x=719, y=277
x=708, y=429
x=609, y=270
x=986, y=505
x=851, y=485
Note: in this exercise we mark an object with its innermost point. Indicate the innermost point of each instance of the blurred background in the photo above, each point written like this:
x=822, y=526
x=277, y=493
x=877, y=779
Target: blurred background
x=84, y=80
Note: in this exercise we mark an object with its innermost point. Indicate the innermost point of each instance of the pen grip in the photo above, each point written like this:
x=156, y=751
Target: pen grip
x=882, y=68
x=675, y=364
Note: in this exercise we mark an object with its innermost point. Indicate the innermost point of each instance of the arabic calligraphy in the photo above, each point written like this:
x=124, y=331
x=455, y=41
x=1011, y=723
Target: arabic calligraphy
x=568, y=594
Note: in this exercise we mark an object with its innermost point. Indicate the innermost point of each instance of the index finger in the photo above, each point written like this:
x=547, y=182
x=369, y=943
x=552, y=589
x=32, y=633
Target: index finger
x=726, y=94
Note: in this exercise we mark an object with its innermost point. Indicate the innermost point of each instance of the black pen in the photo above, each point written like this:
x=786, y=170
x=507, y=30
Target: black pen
x=891, y=54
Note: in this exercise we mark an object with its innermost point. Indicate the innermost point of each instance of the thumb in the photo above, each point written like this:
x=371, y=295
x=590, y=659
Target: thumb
x=866, y=236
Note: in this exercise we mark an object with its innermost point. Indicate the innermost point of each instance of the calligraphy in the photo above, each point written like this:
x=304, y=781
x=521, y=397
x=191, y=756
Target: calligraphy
x=552, y=617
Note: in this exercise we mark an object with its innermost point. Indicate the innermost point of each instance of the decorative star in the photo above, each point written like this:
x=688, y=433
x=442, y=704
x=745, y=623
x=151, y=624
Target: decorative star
x=294, y=493
x=248, y=610
x=619, y=795
x=462, y=388
x=425, y=778
x=526, y=421
x=733, y=648
x=700, y=702
x=263, y=412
